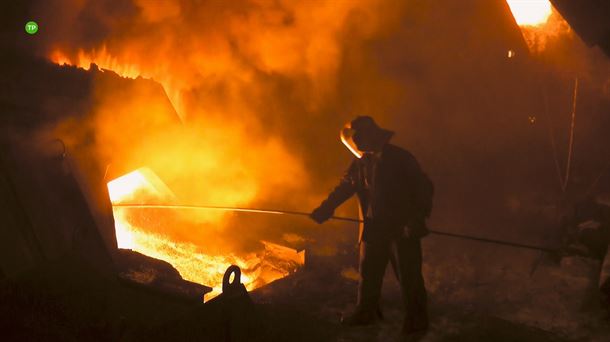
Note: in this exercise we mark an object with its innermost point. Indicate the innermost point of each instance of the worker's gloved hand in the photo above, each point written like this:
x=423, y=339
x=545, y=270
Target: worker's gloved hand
x=321, y=214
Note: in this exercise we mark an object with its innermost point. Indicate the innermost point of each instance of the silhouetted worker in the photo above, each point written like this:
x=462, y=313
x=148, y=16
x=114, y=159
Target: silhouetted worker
x=395, y=199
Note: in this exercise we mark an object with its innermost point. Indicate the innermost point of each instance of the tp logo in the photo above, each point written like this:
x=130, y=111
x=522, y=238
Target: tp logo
x=31, y=27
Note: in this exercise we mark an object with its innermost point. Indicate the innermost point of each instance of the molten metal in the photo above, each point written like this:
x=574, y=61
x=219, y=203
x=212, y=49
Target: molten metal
x=539, y=22
x=530, y=12
x=273, y=262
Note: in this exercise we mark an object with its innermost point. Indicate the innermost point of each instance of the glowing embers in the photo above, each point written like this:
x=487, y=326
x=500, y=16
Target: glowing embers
x=530, y=12
x=159, y=233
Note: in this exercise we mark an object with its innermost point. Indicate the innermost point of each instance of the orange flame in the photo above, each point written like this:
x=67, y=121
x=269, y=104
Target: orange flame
x=530, y=12
x=102, y=58
x=539, y=22
x=224, y=79
x=106, y=61
x=212, y=155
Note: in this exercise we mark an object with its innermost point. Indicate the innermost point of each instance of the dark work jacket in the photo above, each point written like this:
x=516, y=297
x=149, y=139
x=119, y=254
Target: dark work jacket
x=394, y=199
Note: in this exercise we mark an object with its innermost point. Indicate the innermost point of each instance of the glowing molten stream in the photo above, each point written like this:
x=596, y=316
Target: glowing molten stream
x=258, y=269
x=530, y=12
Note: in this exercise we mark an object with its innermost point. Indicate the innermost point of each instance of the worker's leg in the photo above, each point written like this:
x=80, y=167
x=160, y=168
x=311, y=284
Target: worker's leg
x=373, y=261
x=407, y=252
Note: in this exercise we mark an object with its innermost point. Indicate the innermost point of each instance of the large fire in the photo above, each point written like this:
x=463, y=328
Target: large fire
x=258, y=269
x=244, y=78
x=205, y=163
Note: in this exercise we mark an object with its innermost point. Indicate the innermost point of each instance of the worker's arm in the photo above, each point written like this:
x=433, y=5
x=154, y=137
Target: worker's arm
x=344, y=190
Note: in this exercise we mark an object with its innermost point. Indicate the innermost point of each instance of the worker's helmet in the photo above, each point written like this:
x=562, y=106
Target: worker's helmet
x=363, y=135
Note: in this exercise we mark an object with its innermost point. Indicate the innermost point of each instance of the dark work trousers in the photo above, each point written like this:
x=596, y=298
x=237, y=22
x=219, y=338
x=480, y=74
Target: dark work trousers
x=406, y=257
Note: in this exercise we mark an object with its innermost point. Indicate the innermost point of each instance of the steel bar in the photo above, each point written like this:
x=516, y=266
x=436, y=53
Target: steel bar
x=338, y=218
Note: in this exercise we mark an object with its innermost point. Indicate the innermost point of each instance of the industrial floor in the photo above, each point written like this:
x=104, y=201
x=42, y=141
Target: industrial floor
x=476, y=293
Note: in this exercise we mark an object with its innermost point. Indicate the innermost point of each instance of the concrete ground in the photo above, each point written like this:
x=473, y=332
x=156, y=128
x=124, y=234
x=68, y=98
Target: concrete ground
x=476, y=293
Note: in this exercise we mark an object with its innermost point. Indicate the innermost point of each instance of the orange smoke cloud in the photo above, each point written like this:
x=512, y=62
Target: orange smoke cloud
x=220, y=64
x=200, y=46
x=225, y=66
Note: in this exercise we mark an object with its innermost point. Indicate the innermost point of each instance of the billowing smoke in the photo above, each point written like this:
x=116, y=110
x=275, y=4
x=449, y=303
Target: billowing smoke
x=257, y=86
x=263, y=87
x=240, y=75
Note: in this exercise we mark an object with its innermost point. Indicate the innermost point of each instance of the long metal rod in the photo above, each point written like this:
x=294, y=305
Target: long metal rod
x=238, y=209
x=338, y=218
x=571, y=141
